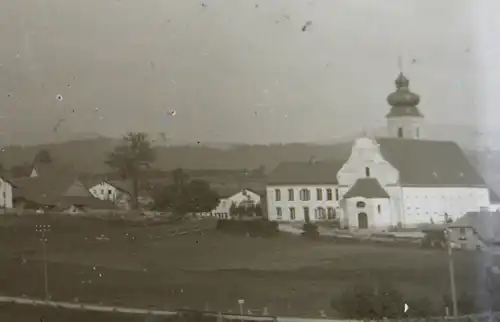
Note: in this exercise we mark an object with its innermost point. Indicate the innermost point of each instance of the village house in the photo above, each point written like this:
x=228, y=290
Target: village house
x=5, y=193
x=400, y=180
x=65, y=194
x=230, y=199
x=476, y=230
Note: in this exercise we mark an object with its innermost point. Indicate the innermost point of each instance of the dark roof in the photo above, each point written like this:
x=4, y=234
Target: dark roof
x=20, y=171
x=89, y=202
x=53, y=169
x=124, y=186
x=48, y=191
x=485, y=223
x=90, y=181
x=367, y=188
x=290, y=173
x=429, y=163
x=419, y=162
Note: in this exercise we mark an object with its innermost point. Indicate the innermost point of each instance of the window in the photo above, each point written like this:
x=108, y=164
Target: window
x=109, y=192
x=462, y=230
x=320, y=213
x=417, y=132
x=319, y=194
x=400, y=132
x=277, y=193
x=102, y=191
x=329, y=194
x=331, y=213
x=279, y=213
x=360, y=204
x=367, y=171
x=379, y=208
x=337, y=195
x=305, y=195
x=306, y=214
x=292, y=213
x=291, y=196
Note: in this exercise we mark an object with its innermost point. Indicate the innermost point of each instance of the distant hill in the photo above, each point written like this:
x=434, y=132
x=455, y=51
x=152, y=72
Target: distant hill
x=88, y=155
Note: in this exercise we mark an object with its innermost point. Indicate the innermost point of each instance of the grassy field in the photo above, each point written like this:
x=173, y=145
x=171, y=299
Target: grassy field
x=143, y=266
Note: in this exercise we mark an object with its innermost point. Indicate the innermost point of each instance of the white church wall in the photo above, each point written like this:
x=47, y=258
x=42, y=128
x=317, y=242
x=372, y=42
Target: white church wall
x=396, y=205
x=367, y=161
x=378, y=212
x=421, y=204
x=284, y=203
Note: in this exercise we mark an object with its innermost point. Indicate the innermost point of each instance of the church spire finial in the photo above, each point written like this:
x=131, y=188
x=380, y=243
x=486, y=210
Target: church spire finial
x=400, y=64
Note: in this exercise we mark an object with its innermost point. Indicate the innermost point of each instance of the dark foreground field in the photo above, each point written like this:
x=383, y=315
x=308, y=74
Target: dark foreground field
x=146, y=267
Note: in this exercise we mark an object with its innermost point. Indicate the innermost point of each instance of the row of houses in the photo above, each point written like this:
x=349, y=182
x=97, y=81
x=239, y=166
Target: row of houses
x=55, y=186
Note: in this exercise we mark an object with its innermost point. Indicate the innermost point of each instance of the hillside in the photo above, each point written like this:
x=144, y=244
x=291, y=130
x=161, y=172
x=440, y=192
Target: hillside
x=88, y=156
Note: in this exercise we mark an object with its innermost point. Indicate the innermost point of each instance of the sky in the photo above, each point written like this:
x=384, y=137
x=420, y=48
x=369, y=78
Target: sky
x=240, y=70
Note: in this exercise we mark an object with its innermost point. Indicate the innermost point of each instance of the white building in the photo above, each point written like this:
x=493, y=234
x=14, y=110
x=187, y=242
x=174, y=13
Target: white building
x=104, y=191
x=228, y=199
x=5, y=193
x=401, y=180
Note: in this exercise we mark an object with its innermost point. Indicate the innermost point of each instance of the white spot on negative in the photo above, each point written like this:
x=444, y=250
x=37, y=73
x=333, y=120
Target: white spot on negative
x=59, y=97
x=173, y=112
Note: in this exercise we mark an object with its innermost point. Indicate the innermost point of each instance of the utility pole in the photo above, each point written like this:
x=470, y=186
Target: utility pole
x=43, y=230
x=451, y=267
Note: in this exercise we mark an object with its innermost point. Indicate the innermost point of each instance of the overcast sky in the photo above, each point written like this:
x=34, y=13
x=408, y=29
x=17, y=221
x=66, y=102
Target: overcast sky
x=241, y=70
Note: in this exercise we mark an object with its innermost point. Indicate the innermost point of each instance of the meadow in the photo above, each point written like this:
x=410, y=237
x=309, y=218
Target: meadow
x=135, y=264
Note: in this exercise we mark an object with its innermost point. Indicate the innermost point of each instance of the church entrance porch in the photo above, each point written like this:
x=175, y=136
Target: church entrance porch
x=362, y=220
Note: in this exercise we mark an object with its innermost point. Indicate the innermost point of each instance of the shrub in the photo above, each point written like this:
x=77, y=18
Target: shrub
x=310, y=230
x=368, y=302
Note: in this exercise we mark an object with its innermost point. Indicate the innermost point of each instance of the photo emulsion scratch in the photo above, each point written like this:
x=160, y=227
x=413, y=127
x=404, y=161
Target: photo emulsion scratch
x=234, y=160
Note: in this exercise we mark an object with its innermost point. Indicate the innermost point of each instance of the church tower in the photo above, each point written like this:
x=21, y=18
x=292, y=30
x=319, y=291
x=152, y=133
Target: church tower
x=404, y=119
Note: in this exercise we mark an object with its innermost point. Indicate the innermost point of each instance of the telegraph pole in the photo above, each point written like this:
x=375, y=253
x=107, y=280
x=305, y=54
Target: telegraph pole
x=43, y=230
x=451, y=267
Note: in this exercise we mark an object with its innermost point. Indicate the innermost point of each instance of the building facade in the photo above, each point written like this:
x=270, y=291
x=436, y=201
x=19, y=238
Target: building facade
x=5, y=194
x=400, y=180
x=243, y=198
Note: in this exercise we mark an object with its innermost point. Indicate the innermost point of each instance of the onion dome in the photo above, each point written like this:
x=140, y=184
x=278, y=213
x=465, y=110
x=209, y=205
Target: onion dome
x=403, y=101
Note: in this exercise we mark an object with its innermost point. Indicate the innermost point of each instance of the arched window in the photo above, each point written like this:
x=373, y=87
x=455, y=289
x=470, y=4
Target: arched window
x=360, y=204
x=379, y=208
x=417, y=132
x=400, y=132
x=367, y=171
x=305, y=195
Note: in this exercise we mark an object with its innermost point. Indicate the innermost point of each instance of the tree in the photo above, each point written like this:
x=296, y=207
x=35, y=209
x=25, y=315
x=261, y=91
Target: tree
x=43, y=156
x=129, y=158
x=183, y=197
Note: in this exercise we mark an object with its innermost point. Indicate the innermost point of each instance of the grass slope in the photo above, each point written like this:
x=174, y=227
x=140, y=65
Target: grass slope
x=146, y=267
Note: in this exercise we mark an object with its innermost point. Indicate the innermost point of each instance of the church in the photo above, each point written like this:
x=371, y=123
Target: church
x=401, y=180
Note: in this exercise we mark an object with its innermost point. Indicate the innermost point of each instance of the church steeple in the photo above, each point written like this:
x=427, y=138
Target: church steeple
x=404, y=119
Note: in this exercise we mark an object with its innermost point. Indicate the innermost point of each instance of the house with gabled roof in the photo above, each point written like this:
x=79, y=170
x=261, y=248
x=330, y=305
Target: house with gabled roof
x=62, y=193
x=232, y=196
x=399, y=180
